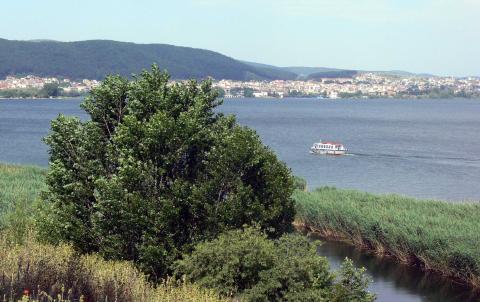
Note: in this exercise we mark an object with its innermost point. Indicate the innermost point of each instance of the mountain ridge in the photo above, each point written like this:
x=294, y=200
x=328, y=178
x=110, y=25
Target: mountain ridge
x=94, y=59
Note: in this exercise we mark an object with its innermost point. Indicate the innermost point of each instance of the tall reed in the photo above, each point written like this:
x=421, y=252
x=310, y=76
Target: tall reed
x=19, y=189
x=434, y=235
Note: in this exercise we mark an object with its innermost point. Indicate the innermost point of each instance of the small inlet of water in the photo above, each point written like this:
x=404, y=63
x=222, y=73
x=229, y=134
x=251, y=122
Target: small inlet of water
x=393, y=281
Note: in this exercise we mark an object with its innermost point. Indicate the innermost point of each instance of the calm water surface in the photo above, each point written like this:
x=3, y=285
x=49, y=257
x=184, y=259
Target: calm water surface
x=420, y=148
x=394, y=282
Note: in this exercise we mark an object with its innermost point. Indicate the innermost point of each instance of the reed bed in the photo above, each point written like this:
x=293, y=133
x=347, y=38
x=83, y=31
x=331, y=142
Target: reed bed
x=20, y=182
x=433, y=235
x=19, y=189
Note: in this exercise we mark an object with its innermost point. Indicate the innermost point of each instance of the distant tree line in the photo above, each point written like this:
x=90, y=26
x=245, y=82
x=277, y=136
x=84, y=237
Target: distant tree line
x=49, y=90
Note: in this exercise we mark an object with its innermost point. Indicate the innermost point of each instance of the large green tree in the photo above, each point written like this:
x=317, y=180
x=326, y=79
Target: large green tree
x=157, y=169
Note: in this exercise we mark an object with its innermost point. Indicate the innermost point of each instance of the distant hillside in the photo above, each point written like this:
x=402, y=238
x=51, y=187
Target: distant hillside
x=300, y=72
x=332, y=74
x=279, y=72
x=96, y=58
x=401, y=73
x=306, y=71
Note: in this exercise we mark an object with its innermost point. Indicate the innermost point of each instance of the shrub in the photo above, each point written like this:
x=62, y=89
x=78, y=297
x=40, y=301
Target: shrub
x=246, y=264
x=297, y=274
x=352, y=285
x=299, y=183
x=231, y=263
x=38, y=272
x=155, y=170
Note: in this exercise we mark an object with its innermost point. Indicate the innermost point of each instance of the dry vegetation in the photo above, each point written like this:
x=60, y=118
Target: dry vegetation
x=56, y=273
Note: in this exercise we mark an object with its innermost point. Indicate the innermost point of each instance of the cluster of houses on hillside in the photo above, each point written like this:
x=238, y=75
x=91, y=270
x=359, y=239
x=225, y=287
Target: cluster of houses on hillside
x=362, y=85
x=366, y=85
x=35, y=82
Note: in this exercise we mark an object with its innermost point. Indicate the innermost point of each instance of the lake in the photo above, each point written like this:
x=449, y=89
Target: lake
x=419, y=148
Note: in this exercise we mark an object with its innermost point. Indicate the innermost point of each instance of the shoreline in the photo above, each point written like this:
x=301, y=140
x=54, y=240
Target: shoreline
x=434, y=236
x=381, y=251
x=278, y=99
x=52, y=98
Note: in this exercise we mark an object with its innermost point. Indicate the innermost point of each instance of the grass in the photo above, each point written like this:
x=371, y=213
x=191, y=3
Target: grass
x=433, y=235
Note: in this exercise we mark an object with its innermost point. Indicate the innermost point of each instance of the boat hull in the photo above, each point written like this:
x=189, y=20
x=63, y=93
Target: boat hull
x=327, y=152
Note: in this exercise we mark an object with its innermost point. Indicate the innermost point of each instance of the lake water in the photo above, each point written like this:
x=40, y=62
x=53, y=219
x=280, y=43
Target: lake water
x=426, y=149
x=420, y=148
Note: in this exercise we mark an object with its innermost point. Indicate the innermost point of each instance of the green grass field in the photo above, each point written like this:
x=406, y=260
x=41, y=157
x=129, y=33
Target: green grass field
x=434, y=235
x=19, y=190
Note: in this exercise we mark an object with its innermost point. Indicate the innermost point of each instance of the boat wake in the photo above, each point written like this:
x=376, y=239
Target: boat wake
x=396, y=156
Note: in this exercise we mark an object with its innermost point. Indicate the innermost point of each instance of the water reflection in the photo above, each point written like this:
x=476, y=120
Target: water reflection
x=397, y=282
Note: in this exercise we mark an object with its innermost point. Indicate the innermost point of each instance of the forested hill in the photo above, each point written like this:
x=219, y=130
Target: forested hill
x=96, y=58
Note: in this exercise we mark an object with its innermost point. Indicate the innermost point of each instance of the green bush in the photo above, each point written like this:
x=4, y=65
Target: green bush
x=352, y=284
x=297, y=273
x=248, y=265
x=299, y=183
x=155, y=170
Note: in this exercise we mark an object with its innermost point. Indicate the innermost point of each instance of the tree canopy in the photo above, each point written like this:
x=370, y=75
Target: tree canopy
x=157, y=169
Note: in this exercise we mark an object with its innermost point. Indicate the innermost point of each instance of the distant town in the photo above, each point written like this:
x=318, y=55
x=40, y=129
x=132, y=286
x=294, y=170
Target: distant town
x=361, y=85
x=37, y=87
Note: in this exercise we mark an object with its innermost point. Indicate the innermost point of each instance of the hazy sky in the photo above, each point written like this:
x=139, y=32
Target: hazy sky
x=434, y=36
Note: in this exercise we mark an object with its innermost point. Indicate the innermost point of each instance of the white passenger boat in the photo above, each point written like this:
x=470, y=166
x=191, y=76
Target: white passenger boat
x=328, y=148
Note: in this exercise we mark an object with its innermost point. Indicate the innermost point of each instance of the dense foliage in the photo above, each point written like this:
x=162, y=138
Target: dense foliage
x=433, y=235
x=155, y=170
x=245, y=264
x=98, y=58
